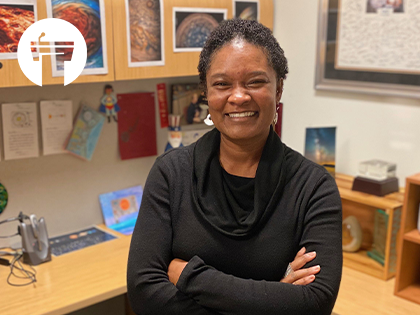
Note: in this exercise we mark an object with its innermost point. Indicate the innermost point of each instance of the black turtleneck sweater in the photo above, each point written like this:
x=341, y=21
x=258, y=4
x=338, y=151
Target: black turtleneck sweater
x=237, y=252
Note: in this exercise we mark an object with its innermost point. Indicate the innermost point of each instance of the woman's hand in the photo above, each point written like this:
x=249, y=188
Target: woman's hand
x=298, y=276
x=175, y=269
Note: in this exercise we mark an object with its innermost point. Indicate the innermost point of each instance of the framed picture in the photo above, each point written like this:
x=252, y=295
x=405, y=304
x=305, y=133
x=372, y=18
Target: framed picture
x=246, y=9
x=145, y=38
x=192, y=26
x=189, y=102
x=369, y=46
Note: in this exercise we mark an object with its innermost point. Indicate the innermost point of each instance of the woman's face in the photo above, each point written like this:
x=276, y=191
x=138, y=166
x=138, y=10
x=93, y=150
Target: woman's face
x=242, y=91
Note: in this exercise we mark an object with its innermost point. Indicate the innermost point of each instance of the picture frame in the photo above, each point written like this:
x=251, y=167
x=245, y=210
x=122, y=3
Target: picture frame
x=189, y=102
x=191, y=26
x=378, y=81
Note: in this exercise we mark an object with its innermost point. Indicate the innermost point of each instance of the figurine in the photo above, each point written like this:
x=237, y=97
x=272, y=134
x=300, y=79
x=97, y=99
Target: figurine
x=109, y=103
x=352, y=234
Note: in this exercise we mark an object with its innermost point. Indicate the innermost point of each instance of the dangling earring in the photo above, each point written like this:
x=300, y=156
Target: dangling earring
x=276, y=118
x=208, y=121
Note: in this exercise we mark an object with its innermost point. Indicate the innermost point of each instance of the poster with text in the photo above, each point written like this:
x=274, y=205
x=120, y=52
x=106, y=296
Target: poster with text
x=20, y=130
x=378, y=36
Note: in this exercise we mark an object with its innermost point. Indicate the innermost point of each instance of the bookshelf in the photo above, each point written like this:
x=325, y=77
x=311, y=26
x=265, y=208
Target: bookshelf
x=407, y=283
x=363, y=207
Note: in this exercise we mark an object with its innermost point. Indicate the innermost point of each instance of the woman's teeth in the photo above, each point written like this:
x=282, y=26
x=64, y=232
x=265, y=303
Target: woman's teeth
x=245, y=114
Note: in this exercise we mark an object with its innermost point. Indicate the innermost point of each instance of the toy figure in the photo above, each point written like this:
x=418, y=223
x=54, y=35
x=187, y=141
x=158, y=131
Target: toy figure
x=109, y=103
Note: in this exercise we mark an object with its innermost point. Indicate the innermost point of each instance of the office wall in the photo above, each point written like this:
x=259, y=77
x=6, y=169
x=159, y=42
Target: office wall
x=62, y=188
x=65, y=189
x=368, y=126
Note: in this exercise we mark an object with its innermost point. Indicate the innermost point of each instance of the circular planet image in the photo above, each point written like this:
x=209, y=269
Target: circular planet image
x=194, y=30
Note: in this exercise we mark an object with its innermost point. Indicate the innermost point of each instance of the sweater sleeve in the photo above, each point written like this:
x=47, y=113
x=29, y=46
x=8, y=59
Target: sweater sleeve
x=322, y=232
x=148, y=286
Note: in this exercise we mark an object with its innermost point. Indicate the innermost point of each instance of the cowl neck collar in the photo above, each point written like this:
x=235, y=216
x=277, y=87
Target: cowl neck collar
x=208, y=191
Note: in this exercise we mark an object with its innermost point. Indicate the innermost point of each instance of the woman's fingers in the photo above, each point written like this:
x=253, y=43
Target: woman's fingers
x=302, y=259
x=305, y=281
x=302, y=276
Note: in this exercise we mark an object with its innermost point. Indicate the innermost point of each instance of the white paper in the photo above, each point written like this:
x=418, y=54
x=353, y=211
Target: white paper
x=92, y=66
x=383, y=39
x=56, y=123
x=20, y=131
x=33, y=7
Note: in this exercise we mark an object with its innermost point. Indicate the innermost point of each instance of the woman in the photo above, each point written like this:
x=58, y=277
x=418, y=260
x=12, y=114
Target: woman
x=220, y=220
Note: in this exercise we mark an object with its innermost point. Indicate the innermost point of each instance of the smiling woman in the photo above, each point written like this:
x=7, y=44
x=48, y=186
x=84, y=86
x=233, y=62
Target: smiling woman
x=237, y=223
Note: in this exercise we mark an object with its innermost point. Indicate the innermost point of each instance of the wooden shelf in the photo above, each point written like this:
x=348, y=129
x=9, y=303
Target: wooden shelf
x=413, y=236
x=364, y=206
x=407, y=282
x=362, y=262
x=411, y=293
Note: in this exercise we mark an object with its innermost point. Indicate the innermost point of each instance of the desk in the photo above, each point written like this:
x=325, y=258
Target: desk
x=70, y=282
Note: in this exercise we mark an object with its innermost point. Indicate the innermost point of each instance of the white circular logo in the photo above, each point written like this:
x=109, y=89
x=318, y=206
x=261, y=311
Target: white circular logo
x=54, y=37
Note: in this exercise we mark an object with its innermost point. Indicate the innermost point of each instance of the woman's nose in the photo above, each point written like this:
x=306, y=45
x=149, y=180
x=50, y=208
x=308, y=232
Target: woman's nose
x=239, y=96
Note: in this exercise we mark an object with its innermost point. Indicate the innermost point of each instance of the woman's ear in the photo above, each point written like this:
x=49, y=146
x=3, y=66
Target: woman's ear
x=279, y=90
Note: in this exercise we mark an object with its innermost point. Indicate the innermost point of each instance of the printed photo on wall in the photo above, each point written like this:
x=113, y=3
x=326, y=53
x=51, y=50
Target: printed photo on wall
x=192, y=26
x=385, y=7
x=320, y=147
x=145, y=44
x=246, y=10
x=88, y=16
x=15, y=17
x=189, y=102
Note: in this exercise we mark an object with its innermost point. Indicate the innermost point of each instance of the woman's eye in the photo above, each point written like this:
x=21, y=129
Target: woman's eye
x=255, y=82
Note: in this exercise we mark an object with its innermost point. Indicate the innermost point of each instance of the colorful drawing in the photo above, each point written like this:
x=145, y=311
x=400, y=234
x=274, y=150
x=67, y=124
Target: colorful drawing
x=88, y=17
x=85, y=134
x=120, y=208
x=145, y=33
x=320, y=147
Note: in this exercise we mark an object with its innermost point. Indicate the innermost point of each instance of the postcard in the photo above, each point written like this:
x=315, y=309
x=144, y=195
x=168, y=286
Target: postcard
x=320, y=147
x=120, y=208
x=192, y=26
x=85, y=134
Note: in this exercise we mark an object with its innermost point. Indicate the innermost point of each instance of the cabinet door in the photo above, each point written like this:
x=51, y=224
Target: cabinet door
x=176, y=63
x=12, y=75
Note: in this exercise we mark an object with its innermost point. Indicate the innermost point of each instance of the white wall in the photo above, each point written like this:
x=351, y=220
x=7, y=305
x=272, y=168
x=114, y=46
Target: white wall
x=368, y=126
x=62, y=188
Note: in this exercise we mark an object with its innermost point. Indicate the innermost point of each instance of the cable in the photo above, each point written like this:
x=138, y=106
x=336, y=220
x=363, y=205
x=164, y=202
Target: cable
x=15, y=264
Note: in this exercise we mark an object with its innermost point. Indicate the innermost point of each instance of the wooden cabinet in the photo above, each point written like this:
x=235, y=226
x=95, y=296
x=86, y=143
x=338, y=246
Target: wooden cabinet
x=176, y=63
x=12, y=75
x=363, y=207
x=407, y=283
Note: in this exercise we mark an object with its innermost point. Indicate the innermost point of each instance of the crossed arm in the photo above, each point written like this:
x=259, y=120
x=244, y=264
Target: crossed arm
x=201, y=289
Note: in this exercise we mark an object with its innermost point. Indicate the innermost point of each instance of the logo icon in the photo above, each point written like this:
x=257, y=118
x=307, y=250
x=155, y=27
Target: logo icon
x=53, y=37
